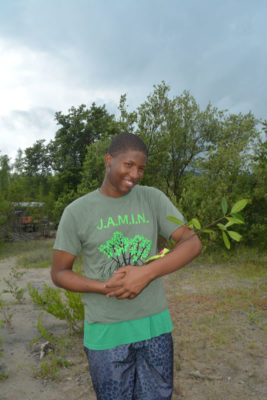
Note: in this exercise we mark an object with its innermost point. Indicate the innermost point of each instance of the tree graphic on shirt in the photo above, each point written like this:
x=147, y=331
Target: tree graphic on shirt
x=121, y=251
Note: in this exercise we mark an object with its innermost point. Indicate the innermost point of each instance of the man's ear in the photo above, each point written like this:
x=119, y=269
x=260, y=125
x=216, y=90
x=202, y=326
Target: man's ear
x=108, y=158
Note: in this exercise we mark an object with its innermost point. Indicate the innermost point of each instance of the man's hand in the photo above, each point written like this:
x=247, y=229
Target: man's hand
x=127, y=282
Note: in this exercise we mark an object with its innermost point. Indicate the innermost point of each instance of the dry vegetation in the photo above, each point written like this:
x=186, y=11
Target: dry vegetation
x=219, y=315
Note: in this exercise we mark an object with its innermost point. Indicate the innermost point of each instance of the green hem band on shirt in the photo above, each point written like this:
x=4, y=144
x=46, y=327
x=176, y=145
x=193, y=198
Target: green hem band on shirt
x=107, y=336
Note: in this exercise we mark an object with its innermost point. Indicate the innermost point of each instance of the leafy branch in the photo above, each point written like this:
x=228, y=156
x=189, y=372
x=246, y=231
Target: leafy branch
x=230, y=218
x=65, y=305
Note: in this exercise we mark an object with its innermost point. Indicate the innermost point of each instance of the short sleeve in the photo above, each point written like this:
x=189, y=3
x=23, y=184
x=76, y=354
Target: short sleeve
x=166, y=208
x=67, y=238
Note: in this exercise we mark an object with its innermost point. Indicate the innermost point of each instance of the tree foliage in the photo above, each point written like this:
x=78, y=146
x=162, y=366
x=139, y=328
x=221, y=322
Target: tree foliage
x=37, y=160
x=176, y=132
x=196, y=156
x=4, y=176
x=78, y=130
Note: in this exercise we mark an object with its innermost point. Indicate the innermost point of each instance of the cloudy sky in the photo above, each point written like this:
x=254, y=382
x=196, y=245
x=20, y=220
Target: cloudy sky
x=55, y=54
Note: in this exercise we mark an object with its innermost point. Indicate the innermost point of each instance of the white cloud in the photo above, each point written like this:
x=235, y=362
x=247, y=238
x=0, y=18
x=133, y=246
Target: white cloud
x=20, y=129
x=31, y=78
x=33, y=86
x=55, y=55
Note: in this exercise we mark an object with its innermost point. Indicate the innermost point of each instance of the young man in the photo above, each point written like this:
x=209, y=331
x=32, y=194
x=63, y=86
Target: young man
x=127, y=328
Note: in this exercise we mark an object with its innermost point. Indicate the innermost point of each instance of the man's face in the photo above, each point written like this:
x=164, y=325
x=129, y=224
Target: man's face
x=124, y=170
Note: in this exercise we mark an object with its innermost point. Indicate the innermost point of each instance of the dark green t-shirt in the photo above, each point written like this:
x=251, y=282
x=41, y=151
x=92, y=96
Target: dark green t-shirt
x=114, y=232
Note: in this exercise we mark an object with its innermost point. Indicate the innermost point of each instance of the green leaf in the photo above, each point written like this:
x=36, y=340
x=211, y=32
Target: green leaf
x=207, y=231
x=232, y=221
x=175, y=220
x=226, y=240
x=224, y=205
x=238, y=216
x=196, y=223
x=239, y=206
x=222, y=227
x=235, y=236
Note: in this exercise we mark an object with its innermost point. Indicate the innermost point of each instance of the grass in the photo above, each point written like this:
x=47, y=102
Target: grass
x=220, y=289
x=39, y=258
x=22, y=248
x=238, y=255
x=38, y=255
x=33, y=253
x=50, y=367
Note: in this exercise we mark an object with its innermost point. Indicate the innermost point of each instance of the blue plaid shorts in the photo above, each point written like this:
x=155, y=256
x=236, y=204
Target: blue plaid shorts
x=136, y=371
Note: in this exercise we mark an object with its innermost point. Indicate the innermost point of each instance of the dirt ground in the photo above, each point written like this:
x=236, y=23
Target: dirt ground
x=220, y=346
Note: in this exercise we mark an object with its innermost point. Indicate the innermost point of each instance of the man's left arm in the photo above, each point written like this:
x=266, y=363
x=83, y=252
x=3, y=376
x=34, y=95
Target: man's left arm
x=135, y=279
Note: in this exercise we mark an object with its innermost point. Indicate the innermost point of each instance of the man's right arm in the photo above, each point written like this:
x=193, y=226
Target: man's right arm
x=63, y=276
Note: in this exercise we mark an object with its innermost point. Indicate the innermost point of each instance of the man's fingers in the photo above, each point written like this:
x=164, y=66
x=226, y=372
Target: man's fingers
x=122, y=270
x=115, y=293
x=114, y=281
x=112, y=285
x=118, y=272
x=121, y=294
x=126, y=295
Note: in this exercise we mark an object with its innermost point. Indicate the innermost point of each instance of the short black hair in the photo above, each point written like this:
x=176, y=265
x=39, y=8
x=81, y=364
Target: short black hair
x=126, y=141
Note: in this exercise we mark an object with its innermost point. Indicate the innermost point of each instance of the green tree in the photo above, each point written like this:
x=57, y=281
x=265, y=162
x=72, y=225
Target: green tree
x=257, y=211
x=37, y=160
x=127, y=119
x=18, y=182
x=62, y=201
x=80, y=128
x=5, y=170
x=6, y=216
x=31, y=179
x=93, y=170
x=18, y=165
x=224, y=170
x=176, y=132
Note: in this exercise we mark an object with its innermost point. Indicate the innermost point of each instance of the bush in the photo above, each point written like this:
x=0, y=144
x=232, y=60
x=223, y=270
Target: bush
x=62, y=304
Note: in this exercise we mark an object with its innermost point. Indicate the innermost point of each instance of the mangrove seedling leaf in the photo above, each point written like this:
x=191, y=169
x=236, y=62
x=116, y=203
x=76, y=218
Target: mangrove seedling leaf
x=232, y=221
x=175, y=220
x=238, y=216
x=196, y=223
x=226, y=240
x=224, y=205
x=239, y=206
x=234, y=235
x=222, y=227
